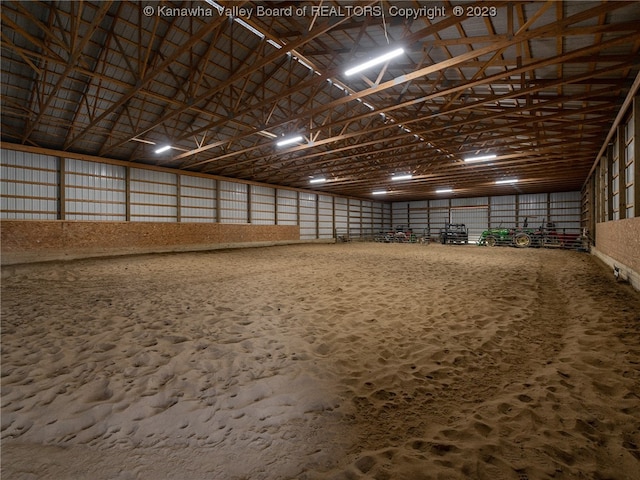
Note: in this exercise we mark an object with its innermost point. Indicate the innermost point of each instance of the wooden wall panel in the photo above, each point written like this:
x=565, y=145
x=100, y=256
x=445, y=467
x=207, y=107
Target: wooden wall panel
x=25, y=241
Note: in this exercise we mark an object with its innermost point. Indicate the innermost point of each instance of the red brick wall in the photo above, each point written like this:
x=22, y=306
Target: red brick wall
x=620, y=240
x=35, y=240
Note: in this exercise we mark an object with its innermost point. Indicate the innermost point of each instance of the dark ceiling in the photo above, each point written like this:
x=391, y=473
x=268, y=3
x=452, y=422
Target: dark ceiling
x=536, y=83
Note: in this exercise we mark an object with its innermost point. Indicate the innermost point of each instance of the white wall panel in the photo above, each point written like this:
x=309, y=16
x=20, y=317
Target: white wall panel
x=233, y=202
x=475, y=219
x=502, y=211
x=400, y=214
x=341, y=214
x=565, y=210
x=308, y=217
x=197, y=199
x=153, y=196
x=94, y=191
x=263, y=205
x=532, y=208
x=355, y=217
x=287, y=207
x=325, y=216
x=28, y=186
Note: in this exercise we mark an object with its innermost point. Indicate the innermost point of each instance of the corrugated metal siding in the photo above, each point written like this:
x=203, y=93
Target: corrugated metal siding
x=308, y=217
x=400, y=214
x=233, y=202
x=263, y=205
x=94, y=191
x=287, y=207
x=378, y=217
x=197, y=199
x=325, y=216
x=341, y=206
x=475, y=219
x=29, y=186
x=565, y=210
x=355, y=217
x=153, y=196
x=502, y=211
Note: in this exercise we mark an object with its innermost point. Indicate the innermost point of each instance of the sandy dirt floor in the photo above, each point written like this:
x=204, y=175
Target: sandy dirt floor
x=348, y=361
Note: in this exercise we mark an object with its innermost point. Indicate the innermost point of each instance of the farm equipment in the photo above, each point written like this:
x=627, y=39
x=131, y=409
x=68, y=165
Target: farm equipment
x=520, y=237
x=547, y=235
x=454, y=233
x=401, y=234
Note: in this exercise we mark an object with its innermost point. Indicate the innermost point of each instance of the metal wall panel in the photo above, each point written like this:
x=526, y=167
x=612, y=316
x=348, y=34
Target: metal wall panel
x=28, y=186
x=475, y=219
x=287, y=207
x=565, y=210
x=419, y=217
x=308, y=217
x=341, y=214
x=233, y=202
x=94, y=191
x=325, y=216
x=263, y=205
x=502, y=211
x=197, y=199
x=378, y=217
x=153, y=196
x=355, y=217
x=532, y=208
x=400, y=214
x=470, y=202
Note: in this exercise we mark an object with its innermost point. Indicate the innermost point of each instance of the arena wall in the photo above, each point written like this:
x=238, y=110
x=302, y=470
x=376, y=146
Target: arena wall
x=618, y=244
x=26, y=241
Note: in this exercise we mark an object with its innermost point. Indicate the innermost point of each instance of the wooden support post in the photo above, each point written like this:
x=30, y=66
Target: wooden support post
x=127, y=195
x=609, y=181
x=218, y=216
x=178, y=198
x=249, y=202
x=62, y=188
x=622, y=184
x=636, y=156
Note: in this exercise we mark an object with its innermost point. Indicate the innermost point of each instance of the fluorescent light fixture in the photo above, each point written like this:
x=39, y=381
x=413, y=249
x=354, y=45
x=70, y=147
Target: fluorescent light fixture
x=163, y=149
x=444, y=190
x=480, y=159
x=375, y=61
x=509, y=180
x=289, y=140
x=318, y=180
x=378, y=192
x=402, y=176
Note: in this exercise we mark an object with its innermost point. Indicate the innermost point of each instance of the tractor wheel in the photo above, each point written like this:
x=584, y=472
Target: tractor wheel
x=491, y=241
x=522, y=240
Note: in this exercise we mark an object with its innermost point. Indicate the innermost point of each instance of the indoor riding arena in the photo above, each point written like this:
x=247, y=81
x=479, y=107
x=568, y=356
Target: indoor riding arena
x=320, y=240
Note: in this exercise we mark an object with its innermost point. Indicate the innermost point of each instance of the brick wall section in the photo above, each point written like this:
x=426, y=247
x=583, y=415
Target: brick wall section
x=620, y=240
x=25, y=241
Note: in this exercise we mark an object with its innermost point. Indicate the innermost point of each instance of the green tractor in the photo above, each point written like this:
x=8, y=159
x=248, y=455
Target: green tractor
x=521, y=237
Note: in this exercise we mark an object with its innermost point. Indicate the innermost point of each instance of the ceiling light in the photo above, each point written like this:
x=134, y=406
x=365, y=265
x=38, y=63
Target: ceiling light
x=378, y=192
x=444, y=190
x=375, y=61
x=163, y=149
x=318, y=180
x=480, y=159
x=289, y=140
x=402, y=176
x=509, y=180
